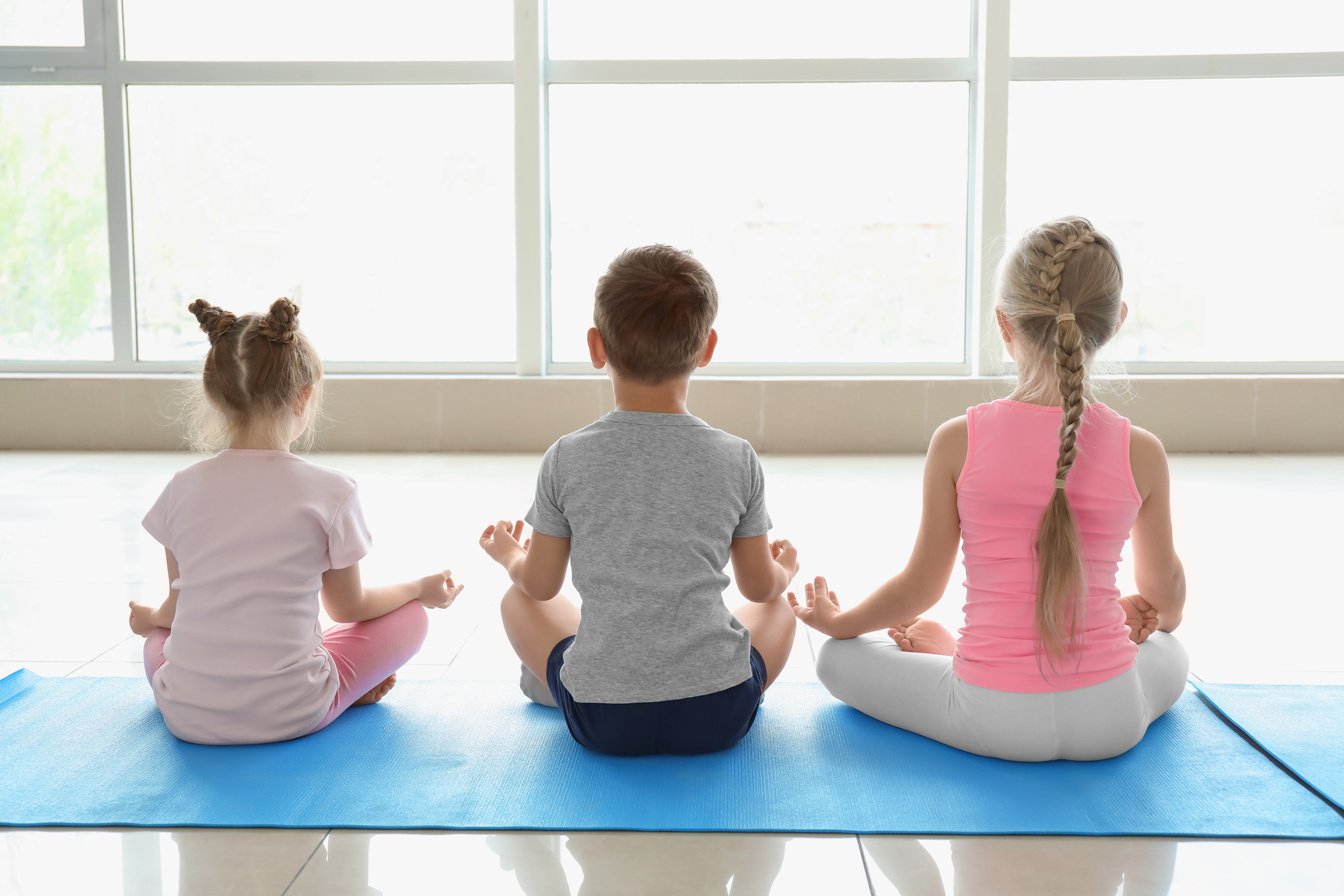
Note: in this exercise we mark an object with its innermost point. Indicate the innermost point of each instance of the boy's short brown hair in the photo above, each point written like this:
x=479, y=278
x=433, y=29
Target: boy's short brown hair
x=654, y=307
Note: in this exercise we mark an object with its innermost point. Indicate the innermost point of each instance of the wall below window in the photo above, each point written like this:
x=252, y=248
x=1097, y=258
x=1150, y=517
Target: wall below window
x=786, y=416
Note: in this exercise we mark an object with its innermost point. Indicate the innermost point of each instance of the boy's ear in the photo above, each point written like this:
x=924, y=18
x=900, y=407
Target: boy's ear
x=1124, y=313
x=597, y=352
x=710, y=344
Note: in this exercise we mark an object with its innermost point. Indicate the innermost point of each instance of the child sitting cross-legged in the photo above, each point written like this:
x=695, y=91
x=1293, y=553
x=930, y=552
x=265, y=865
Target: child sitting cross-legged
x=1041, y=490
x=648, y=504
x=255, y=538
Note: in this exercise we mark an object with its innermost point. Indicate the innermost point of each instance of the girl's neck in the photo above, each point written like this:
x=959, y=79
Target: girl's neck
x=1026, y=394
x=261, y=438
x=1038, y=384
x=255, y=445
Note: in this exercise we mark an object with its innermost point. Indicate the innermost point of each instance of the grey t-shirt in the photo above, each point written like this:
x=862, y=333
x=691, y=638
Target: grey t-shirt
x=651, y=504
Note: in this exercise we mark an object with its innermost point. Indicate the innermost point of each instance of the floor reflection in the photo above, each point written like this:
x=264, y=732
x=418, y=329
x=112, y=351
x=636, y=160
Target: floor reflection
x=1007, y=866
x=625, y=863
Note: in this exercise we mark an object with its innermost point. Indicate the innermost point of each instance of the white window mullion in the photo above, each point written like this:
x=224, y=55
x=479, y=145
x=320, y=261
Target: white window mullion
x=529, y=140
x=989, y=181
x=755, y=71
x=117, y=172
x=1126, y=68
x=95, y=19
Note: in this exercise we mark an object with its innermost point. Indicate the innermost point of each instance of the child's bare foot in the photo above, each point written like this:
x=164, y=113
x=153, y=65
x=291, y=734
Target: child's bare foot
x=379, y=692
x=924, y=636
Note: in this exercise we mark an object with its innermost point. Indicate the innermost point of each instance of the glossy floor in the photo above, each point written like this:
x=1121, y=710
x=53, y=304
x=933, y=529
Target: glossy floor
x=1254, y=532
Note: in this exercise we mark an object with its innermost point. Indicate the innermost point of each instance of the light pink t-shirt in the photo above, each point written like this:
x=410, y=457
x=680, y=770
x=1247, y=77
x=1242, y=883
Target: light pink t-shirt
x=1002, y=492
x=253, y=531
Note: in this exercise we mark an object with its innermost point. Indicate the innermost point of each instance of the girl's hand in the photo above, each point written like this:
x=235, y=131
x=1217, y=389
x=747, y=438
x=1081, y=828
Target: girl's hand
x=437, y=591
x=822, y=606
x=142, y=619
x=501, y=541
x=1140, y=616
x=786, y=555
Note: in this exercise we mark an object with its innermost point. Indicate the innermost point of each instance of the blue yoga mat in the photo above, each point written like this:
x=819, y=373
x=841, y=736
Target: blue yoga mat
x=1302, y=726
x=473, y=755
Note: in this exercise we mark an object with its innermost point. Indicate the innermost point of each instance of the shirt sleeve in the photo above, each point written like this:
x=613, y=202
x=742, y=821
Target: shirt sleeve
x=755, y=519
x=156, y=521
x=547, y=514
x=348, y=538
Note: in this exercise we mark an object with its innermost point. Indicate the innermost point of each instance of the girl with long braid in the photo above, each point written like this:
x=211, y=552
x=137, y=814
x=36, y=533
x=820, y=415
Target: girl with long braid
x=254, y=537
x=1041, y=489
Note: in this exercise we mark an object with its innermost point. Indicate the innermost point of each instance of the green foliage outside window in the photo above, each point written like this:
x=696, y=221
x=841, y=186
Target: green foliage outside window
x=54, y=281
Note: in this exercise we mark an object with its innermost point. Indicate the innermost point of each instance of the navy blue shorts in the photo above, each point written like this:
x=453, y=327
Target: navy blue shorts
x=703, y=724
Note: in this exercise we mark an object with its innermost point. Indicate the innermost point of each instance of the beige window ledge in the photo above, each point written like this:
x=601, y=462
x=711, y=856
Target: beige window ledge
x=778, y=415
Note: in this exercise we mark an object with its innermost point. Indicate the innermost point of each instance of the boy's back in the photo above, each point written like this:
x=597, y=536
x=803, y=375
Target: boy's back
x=651, y=503
x=646, y=507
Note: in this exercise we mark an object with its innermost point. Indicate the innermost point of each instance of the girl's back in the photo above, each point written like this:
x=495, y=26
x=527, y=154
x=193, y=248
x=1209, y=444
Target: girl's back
x=252, y=531
x=1041, y=497
x=1001, y=495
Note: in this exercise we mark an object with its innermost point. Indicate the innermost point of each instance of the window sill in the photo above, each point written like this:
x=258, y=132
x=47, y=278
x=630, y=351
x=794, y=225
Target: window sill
x=848, y=415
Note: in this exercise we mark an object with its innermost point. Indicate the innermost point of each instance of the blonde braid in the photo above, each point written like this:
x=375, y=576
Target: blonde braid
x=1070, y=362
x=1059, y=291
x=1061, y=576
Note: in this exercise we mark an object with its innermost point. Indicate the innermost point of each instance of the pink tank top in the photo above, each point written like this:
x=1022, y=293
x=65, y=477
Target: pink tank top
x=1002, y=492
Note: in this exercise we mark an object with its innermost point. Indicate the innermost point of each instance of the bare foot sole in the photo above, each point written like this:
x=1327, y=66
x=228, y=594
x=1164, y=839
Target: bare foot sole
x=924, y=636
x=379, y=692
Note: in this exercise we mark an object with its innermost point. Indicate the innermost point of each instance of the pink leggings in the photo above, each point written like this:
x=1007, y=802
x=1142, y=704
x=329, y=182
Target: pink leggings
x=365, y=652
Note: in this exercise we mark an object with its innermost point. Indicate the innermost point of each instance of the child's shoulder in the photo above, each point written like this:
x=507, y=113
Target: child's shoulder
x=232, y=464
x=632, y=425
x=952, y=430
x=949, y=444
x=622, y=436
x=325, y=476
x=1145, y=448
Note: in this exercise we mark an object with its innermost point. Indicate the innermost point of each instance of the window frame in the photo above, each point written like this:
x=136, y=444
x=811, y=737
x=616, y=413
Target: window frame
x=987, y=67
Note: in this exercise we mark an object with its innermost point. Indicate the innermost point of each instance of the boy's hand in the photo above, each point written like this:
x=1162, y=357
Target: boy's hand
x=438, y=590
x=501, y=541
x=1140, y=616
x=142, y=619
x=822, y=606
x=786, y=555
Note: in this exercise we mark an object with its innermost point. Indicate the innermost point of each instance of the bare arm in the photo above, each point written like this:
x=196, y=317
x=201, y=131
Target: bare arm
x=920, y=585
x=763, y=569
x=144, y=618
x=1157, y=570
x=536, y=566
x=347, y=600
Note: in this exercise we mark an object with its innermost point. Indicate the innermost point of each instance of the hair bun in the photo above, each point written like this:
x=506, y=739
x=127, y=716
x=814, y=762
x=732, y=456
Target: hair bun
x=281, y=323
x=214, y=321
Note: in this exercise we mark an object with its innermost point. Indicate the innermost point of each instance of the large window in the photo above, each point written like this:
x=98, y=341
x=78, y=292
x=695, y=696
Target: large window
x=54, y=288
x=395, y=226
x=441, y=183
x=1224, y=198
x=813, y=220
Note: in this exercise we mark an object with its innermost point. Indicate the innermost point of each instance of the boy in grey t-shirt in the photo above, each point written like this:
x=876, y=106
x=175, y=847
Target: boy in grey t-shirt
x=649, y=504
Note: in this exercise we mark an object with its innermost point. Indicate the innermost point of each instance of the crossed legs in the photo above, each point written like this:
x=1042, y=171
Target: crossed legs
x=535, y=627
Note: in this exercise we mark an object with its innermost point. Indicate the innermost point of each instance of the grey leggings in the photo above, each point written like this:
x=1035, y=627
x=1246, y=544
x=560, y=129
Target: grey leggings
x=918, y=692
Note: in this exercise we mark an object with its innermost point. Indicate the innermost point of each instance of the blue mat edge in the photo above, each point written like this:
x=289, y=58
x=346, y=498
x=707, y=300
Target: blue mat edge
x=783, y=832
x=23, y=679
x=1227, y=719
x=16, y=683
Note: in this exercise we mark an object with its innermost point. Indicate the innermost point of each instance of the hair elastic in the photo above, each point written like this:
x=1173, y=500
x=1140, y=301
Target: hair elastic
x=1059, y=483
x=1060, y=318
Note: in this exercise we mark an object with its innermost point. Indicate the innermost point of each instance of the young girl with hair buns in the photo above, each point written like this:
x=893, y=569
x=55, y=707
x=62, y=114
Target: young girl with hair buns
x=254, y=537
x=1041, y=489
